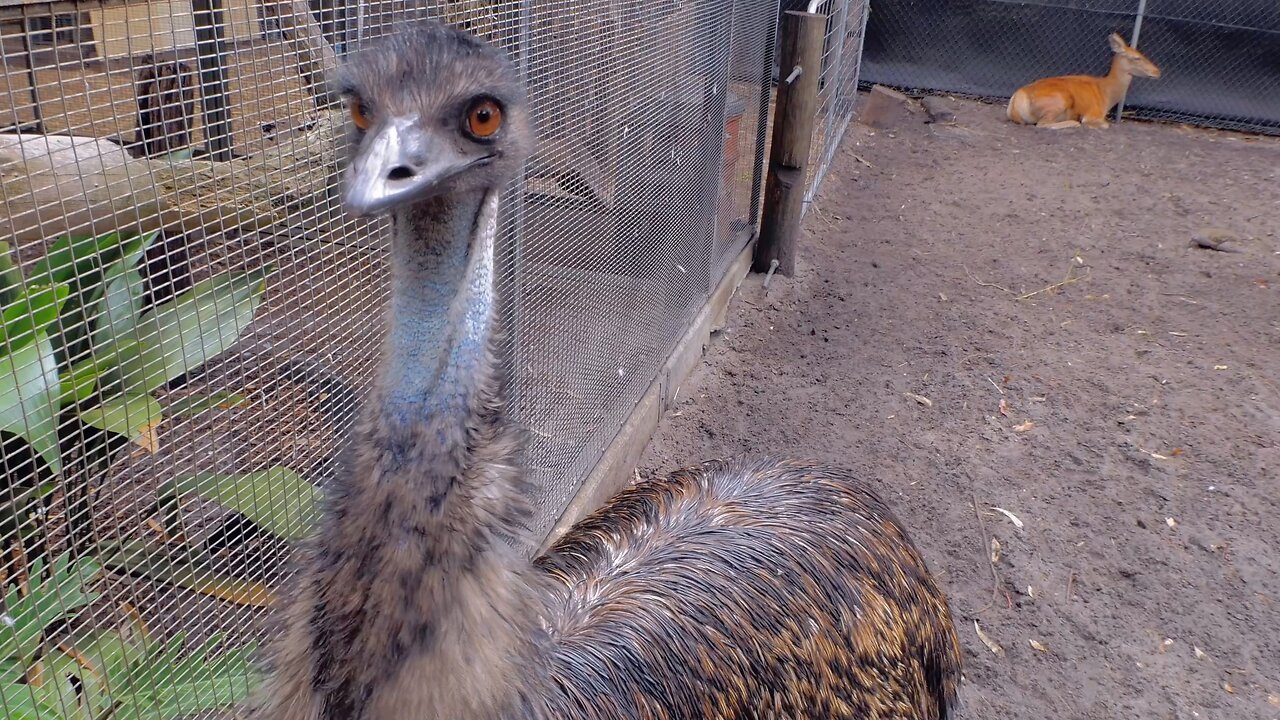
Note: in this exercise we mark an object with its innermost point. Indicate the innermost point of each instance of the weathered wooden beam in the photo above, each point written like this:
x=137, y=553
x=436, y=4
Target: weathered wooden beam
x=317, y=60
x=793, y=120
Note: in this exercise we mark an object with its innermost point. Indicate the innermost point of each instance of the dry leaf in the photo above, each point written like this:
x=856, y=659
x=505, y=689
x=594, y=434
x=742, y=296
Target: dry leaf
x=1004, y=407
x=992, y=645
x=1274, y=699
x=1173, y=524
x=1176, y=452
x=920, y=399
x=1229, y=688
x=1200, y=654
x=1031, y=593
x=995, y=550
x=1024, y=426
x=1012, y=518
x=149, y=438
x=1037, y=645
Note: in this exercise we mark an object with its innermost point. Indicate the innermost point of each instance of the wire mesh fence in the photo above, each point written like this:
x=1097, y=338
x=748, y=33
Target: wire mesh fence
x=1220, y=59
x=838, y=87
x=189, y=319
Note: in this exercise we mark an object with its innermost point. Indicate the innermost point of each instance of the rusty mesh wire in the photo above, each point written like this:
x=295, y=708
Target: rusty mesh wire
x=190, y=320
x=1220, y=59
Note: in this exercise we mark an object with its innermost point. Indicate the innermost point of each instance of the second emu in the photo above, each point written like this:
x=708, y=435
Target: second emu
x=741, y=588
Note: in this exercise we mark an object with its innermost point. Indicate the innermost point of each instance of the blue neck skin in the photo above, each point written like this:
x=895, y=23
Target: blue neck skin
x=442, y=302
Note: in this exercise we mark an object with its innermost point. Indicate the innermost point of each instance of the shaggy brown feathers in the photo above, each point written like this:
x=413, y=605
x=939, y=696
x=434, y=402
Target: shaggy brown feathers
x=745, y=588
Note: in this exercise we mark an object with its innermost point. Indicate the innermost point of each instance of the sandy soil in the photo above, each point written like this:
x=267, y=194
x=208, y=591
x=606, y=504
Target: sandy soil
x=1130, y=419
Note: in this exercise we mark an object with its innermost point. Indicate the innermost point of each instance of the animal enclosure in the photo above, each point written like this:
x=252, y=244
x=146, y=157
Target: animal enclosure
x=190, y=319
x=1088, y=365
x=1220, y=58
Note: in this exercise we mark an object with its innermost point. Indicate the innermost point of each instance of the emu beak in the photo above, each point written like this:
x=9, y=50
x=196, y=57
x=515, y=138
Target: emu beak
x=400, y=162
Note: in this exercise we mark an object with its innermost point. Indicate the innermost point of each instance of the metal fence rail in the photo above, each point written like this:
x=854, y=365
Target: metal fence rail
x=189, y=319
x=1220, y=58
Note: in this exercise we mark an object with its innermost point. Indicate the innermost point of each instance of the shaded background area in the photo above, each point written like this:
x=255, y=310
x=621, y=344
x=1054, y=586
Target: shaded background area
x=1220, y=58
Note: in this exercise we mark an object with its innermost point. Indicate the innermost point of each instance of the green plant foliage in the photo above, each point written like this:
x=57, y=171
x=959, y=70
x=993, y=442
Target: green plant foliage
x=29, y=391
x=190, y=570
x=26, y=317
x=74, y=336
x=196, y=404
x=128, y=415
x=143, y=678
x=277, y=500
x=189, y=330
x=45, y=601
x=10, y=278
x=121, y=673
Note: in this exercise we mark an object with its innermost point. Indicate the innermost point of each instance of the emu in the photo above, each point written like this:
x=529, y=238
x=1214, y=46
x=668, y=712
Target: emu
x=740, y=588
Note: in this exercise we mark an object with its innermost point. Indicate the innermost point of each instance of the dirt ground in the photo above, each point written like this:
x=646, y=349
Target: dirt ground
x=1130, y=419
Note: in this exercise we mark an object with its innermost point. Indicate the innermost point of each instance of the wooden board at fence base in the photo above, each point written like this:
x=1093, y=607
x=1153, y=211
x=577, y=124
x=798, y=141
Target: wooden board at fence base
x=884, y=108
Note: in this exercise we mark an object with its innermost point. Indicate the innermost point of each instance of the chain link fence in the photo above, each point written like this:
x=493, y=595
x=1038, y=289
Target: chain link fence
x=190, y=320
x=1220, y=58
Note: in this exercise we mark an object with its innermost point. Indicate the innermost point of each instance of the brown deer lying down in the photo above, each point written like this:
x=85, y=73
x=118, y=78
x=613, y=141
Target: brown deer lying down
x=1073, y=100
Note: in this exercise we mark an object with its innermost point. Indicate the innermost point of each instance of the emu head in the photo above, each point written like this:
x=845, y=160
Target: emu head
x=1134, y=62
x=433, y=111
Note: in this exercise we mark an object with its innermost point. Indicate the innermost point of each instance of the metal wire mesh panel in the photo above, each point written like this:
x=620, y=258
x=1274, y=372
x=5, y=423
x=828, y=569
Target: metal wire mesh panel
x=1220, y=58
x=189, y=320
x=841, y=65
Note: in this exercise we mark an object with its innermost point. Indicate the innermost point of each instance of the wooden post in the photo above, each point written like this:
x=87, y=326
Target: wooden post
x=793, y=118
x=214, y=98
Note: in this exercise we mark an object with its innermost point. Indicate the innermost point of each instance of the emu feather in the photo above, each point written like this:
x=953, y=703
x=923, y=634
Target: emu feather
x=741, y=588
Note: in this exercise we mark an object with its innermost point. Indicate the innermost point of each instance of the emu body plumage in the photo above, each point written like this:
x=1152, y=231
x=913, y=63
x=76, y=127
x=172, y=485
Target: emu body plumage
x=747, y=588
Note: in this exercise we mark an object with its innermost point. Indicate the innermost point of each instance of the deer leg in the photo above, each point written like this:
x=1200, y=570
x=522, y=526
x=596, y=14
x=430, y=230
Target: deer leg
x=1051, y=111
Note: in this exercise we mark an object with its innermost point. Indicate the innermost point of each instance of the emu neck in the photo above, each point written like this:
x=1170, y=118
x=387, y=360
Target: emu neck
x=1116, y=83
x=442, y=301
x=431, y=614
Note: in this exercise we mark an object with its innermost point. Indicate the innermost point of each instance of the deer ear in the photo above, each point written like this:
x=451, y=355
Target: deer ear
x=1117, y=43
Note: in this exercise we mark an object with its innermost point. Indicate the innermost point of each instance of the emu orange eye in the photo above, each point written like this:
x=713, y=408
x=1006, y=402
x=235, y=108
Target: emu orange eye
x=360, y=114
x=484, y=119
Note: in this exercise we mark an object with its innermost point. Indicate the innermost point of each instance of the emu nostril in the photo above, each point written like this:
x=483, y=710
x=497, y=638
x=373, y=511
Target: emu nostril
x=400, y=172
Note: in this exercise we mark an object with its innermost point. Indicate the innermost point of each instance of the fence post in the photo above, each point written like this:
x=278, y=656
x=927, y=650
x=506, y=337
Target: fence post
x=214, y=98
x=793, y=120
x=1133, y=42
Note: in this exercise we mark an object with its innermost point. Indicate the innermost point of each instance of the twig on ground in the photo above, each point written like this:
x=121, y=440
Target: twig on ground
x=1058, y=285
x=986, y=543
x=985, y=284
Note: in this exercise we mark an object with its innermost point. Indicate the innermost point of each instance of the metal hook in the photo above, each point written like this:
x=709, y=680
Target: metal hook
x=773, y=265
